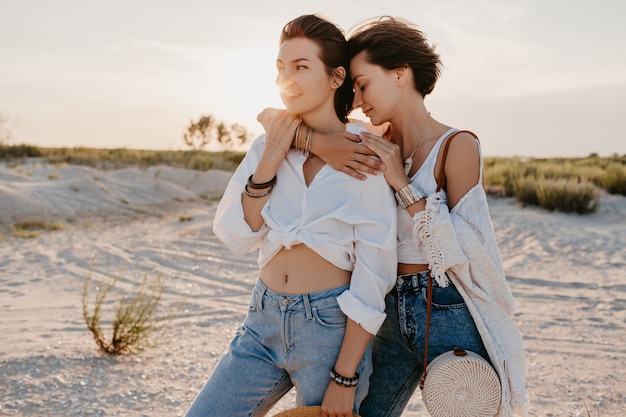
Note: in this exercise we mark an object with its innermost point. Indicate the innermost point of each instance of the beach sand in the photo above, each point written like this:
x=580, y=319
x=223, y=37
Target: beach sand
x=567, y=272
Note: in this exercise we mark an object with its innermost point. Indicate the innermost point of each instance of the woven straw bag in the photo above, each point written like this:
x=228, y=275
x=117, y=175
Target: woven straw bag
x=310, y=411
x=457, y=383
x=461, y=384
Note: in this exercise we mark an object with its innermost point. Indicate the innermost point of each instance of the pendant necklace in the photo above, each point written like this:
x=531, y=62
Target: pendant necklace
x=408, y=163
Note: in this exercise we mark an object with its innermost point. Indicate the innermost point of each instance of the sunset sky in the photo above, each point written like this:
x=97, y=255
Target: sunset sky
x=531, y=78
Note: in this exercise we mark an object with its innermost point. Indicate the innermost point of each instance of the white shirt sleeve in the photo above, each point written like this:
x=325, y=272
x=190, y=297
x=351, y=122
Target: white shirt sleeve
x=375, y=267
x=229, y=225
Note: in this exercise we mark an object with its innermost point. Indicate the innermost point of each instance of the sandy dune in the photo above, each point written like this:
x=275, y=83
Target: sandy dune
x=568, y=273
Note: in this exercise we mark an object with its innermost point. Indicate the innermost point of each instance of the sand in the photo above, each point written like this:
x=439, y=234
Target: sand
x=567, y=272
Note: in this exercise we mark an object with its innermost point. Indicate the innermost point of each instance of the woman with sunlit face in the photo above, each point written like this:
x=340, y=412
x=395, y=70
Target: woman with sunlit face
x=326, y=247
x=444, y=229
x=305, y=87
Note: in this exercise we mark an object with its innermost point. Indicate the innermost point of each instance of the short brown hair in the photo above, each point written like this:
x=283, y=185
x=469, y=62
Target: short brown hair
x=392, y=43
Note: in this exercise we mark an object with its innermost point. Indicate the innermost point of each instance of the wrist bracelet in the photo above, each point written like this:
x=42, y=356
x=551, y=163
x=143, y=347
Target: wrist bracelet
x=258, y=186
x=342, y=380
x=409, y=194
x=257, y=195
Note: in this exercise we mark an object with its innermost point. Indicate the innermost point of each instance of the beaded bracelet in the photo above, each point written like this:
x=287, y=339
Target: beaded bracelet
x=260, y=186
x=342, y=381
x=257, y=195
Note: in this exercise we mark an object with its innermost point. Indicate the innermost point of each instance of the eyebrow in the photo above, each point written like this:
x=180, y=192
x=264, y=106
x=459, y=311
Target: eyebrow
x=295, y=60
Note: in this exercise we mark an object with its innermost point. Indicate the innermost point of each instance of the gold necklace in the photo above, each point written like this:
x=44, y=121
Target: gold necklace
x=408, y=163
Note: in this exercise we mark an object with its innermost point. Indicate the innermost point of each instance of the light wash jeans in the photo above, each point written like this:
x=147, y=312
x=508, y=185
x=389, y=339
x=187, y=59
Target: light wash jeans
x=285, y=341
x=398, y=348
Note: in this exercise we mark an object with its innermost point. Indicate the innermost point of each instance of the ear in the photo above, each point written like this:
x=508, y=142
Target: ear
x=337, y=77
x=402, y=75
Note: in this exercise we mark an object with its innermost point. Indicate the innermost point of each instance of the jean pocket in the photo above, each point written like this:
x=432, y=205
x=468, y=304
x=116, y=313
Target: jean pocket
x=447, y=298
x=330, y=316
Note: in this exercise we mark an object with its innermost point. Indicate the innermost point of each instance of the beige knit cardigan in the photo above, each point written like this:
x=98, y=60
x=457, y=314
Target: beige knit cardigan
x=462, y=243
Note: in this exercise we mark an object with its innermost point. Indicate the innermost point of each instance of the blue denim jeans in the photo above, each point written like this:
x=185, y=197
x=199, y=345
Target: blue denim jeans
x=398, y=348
x=285, y=341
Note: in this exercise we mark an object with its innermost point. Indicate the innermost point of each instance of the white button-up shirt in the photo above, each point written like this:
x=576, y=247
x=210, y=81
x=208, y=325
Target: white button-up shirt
x=349, y=222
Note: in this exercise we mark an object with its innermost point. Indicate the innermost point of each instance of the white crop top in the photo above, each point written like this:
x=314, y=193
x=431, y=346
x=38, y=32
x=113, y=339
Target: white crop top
x=411, y=251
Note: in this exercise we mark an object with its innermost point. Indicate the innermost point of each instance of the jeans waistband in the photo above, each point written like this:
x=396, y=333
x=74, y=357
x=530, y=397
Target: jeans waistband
x=295, y=302
x=416, y=280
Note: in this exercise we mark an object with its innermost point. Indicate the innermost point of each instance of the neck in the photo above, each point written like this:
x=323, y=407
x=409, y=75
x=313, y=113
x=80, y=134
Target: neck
x=324, y=120
x=409, y=127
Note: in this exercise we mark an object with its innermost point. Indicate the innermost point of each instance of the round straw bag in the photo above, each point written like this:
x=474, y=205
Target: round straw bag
x=310, y=411
x=461, y=384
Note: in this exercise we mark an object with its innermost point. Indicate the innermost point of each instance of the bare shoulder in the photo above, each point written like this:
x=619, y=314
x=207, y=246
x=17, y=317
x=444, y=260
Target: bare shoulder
x=462, y=166
x=463, y=151
x=463, y=143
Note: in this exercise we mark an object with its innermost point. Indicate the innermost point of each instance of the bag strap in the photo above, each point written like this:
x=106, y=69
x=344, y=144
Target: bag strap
x=441, y=185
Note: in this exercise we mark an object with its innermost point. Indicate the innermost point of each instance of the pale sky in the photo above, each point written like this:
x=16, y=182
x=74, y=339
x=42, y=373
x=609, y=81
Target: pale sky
x=531, y=78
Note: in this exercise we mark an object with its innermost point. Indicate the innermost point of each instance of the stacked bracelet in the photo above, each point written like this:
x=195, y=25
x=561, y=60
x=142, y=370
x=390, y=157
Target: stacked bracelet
x=260, y=186
x=342, y=380
x=267, y=186
x=308, y=141
x=409, y=194
x=257, y=195
x=297, y=141
x=303, y=143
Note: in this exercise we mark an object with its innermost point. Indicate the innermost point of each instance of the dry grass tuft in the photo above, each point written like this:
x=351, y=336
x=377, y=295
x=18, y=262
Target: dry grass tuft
x=31, y=229
x=136, y=320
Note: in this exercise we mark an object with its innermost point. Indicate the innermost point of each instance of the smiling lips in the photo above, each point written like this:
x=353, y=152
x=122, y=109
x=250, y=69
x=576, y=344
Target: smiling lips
x=289, y=94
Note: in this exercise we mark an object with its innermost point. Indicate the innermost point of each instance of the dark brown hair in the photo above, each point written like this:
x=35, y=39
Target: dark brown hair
x=334, y=53
x=392, y=43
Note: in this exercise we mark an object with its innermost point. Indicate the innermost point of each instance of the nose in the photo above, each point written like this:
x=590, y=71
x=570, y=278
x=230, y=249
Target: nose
x=358, y=101
x=283, y=79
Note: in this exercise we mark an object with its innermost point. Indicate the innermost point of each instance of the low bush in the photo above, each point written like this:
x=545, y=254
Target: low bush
x=568, y=196
x=135, y=322
x=32, y=228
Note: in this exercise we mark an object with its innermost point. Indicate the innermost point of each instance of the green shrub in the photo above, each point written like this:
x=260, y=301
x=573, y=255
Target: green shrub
x=613, y=179
x=568, y=196
x=525, y=191
x=135, y=321
x=31, y=228
x=10, y=152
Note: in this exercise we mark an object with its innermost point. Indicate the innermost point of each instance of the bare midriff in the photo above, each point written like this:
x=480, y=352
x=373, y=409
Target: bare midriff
x=404, y=269
x=300, y=270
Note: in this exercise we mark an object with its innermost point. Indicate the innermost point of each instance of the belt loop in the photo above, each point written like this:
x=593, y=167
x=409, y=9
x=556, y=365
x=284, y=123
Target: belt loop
x=415, y=281
x=307, y=306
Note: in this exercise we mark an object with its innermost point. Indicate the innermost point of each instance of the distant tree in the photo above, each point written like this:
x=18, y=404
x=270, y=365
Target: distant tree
x=207, y=129
x=6, y=129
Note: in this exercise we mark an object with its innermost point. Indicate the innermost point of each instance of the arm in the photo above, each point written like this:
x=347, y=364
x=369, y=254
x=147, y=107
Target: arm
x=339, y=150
x=373, y=276
x=343, y=152
x=277, y=145
x=238, y=221
x=462, y=167
x=339, y=400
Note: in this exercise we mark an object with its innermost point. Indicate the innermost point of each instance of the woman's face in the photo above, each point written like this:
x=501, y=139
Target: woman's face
x=376, y=89
x=304, y=84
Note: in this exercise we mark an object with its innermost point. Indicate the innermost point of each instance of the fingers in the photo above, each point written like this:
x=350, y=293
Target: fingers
x=352, y=137
x=365, y=163
x=353, y=173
